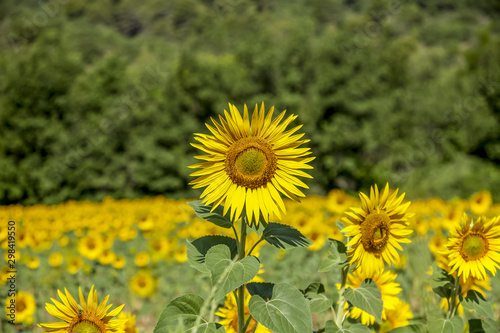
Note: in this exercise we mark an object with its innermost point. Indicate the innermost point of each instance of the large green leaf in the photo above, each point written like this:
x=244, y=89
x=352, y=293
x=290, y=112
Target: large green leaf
x=216, y=217
x=263, y=289
x=287, y=311
x=227, y=275
x=336, y=258
x=197, y=250
x=183, y=313
x=318, y=301
x=366, y=297
x=483, y=326
x=476, y=303
x=281, y=235
x=443, y=325
x=331, y=327
x=415, y=328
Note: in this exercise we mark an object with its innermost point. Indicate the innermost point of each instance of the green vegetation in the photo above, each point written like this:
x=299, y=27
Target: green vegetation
x=101, y=98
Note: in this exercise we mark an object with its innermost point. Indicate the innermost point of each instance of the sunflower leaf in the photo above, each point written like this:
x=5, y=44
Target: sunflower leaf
x=318, y=301
x=442, y=325
x=366, y=297
x=441, y=282
x=476, y=303
x=263, y=289
x=331, y=327
x=482, y=326
x=287, y=311
x=216, y=217
x=197, y=250
x=281, y=235
x=183, y=313
x=227, y=275
x=336, y=258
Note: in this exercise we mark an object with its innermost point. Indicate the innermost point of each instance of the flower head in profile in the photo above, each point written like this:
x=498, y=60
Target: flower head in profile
x=376, y=229
x=474, y=246
x=398, y=316
x=88, y=317
x=250, y=163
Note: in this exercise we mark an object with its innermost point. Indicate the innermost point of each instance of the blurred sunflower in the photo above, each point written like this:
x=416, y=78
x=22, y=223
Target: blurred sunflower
x=90, y=246
x=119, y=262
x=143, y=284
x=129, y=325
x=55, y=259
x=388, y=288
x=398, y=316
x=25, y=307
x=474, y=246
x=376, y=229
x=249, y=162
x=91, y=318
x=480, y=202
x=141, y=259
x=107, y=257
x=74, y=264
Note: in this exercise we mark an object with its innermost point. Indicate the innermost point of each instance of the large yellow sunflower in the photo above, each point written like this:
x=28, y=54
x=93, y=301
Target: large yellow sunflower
x=92, y=317
x=250, y=162
x=376, y=229
x=474, y=246
x=388, y=289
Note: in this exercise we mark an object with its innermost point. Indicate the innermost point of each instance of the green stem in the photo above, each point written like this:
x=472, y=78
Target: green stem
x=454, y=293
x=241, y=290
x=253, y=247
x=342, y=299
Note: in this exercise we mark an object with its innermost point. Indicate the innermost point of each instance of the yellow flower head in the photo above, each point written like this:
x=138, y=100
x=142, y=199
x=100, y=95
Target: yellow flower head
x=474, y=246
x=88, y=317
x=22, y=306
x=141, y=259
x=129, y=326
x=143, y=284
x=74, y=264
x=396, y=317
x=249, y=162
x=480, y=202
x=55, y=259
x=376, y=229
x=90, y=246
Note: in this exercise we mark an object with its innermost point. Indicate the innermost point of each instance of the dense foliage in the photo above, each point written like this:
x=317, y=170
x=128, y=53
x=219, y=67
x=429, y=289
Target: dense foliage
x=101, y=97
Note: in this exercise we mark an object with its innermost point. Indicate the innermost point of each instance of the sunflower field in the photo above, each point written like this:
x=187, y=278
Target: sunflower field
x=211, y=166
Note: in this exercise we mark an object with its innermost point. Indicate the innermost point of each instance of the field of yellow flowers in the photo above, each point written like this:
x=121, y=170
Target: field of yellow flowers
x=133, y=250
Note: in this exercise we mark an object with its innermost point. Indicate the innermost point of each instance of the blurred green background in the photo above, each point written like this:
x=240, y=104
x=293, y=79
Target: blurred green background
x=102, y=98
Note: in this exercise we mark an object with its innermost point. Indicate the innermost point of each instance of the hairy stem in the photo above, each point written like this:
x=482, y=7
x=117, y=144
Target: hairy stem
x=241, y=290
x=342, y=300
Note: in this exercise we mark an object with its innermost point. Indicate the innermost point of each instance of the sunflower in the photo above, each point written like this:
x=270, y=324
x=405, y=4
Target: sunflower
x=55, y=259
x=25, y=306
x=249, y=162
x=388, y=289
x=90, y=246
x=480, y=202
x=143, y=284
x=396, y=317
x=92, y=317
x=129, y=326
x=141, y=259
x=376, y=229
x=74, y=264
x=474, y=246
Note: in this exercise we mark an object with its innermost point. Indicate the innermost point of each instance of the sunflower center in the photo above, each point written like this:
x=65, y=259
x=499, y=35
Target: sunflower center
x=474, y=246
x=20, y=306
x=86, y=326
x=375, y=232
x=250, y=162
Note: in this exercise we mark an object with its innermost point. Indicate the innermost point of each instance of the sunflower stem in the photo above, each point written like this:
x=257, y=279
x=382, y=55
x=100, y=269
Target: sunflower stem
x=241, y=290
x=342, y=299
x=454, y=293
x=256, y=243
